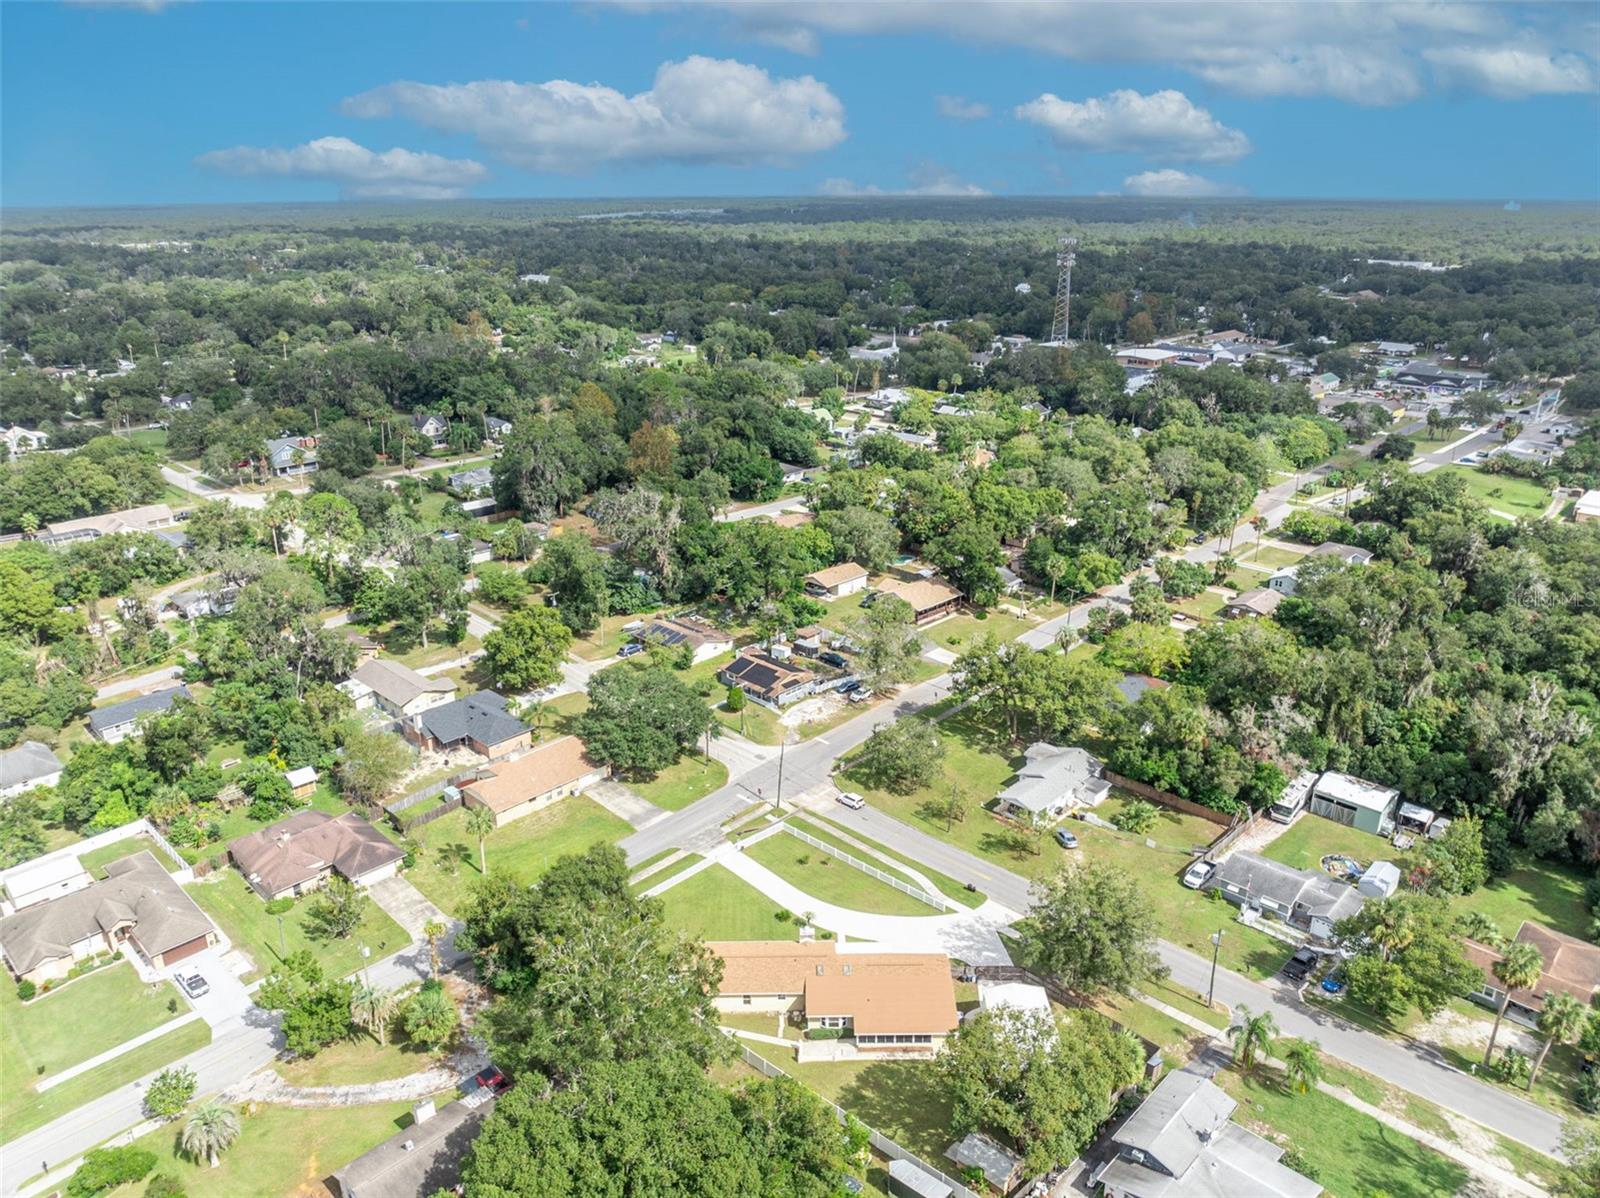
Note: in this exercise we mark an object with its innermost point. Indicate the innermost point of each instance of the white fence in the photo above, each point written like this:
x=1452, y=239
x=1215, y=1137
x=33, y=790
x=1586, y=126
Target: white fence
x=936, y=901
x=881, y=1144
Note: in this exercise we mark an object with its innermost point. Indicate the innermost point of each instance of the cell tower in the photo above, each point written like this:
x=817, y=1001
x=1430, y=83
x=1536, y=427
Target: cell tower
x=1061, y=323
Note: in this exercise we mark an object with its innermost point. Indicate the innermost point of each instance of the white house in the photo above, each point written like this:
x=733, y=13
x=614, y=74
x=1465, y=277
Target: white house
x=21, y=441
x=434, y=430
x=1052, y=781
x=28, y=765
x=835, y=582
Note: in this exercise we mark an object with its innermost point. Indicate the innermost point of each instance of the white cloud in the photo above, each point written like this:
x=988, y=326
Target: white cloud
x=1169, y=182
x=1165, y=123
x=958, y=108
x=359, y=172
x=1364, y=51
x=700, y=110
x=1512, y=73
x=924, y=179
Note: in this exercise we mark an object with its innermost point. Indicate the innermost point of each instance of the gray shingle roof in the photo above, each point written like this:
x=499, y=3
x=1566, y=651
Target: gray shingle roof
x=1284, y=884
x=26, y=763
x=396, y=683
x=481, y=717
x=131, y=709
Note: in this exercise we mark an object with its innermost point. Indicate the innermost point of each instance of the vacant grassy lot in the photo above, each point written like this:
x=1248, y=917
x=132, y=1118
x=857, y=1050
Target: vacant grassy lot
x=22, y=1109
x=675, y=787
x=1355, y=1156
x=1541, y=891
x=851, y=842
x=1517, y=496
x=280, y=1150
x=448, y=858
x=716, y=905
x=832, y=881
x=604, y=641
x=242, y=915
x=1270, y=555
x=960, y=632
x=1207, y=605
x=361, y=1059
x=1312, y=838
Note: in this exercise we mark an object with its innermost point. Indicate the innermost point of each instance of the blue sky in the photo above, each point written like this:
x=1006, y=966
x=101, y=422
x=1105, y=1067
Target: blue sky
x=152, y=102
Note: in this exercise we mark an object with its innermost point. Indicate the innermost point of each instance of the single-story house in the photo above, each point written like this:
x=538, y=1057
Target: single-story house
x=1303, y=898
x=137, y=907
x=1346, y=799
x=302, y=782
x=120, y=720
x=1181, y=1143
x=22, y=441
x=1571, y=966
x=1259, y=601
x=1010, y=581
x=291, y=455
x=397, y=689
x=929, y=600
x=906, y=1180
x=706, y=638
x=1586, y=508
x=366, y=648
x=495, y=429
x=195, y=604
x=46, y=878
x=1350, y=555
x=1395, y=349
x=296, y=854
x=769, y=676
x=1133, y=686
x=1002, y=1168
x=28, y=765
x=478, y=722
x=888, y=1003
x=836, y=582
x=469, y=484
x=1052, y=781
x=135, y=519
x=424, y=1158
x=538, y=778
x=794, y=475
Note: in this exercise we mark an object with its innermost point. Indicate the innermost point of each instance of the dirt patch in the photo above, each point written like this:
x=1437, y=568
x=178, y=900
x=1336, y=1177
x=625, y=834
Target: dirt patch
x=1452, y=1029
x=813, y=710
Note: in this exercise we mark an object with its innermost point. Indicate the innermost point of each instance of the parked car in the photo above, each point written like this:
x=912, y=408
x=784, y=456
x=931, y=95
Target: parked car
x=630, y=649
x=193, y=984
x=1066, y=839
x=1300, y=966
x=860, y=695
x=848, y=686
x=837, y=660
x=852, y=800
x=492, y=1079
x=1195, y=876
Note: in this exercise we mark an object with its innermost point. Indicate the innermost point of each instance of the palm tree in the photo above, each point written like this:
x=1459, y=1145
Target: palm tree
x=372, y=1008
x=1560, y=1022
x=209, y=1130
x=1302, y=1062
x=434, y=931
x=1475, y=925
x=1518, y=968
x=1252, y=1037
x=480, y=823
x=1393, y=930
x=1055, y=570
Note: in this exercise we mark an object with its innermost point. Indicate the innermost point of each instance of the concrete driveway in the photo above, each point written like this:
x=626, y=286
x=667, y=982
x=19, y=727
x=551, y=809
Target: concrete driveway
x=227, y=1001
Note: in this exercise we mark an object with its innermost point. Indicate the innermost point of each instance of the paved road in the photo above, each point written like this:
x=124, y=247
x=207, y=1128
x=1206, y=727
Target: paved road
x=790, y=503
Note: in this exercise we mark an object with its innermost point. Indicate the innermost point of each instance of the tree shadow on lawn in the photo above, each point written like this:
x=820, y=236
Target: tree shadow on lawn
x=902, y=1100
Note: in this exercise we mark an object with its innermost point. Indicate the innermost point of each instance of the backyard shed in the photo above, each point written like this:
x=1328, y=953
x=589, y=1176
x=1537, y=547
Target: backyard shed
x=908, y=1181
x=1381, y=879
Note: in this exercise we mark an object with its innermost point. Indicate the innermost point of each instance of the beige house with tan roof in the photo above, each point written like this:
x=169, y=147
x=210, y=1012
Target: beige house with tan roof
x=513, y=789
x=929, y=600
x=837, y=581
x=882, y=1004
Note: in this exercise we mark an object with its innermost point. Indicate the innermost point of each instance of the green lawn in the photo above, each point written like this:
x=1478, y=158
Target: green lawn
x=981, y=769
x=236, y=822
x=947, y=885
x=675, y=787
x=755, y=722
x=960, y=632
x=280, y=1150
x=717, y=905
x=1207, y=605
x=1312, y=837
x=1515, y=495
x=448, y=859
x=358, y=1060
x=1355, y=1155
x=69, y=1025
x=96, y=860
x=242, y=915
x=1541, y=891
x=652, y=880
x=1271, y=555
x=605, y=641
x=23, y=1110
x=905, y=1100
x=1177, y=1041
x=832, y=881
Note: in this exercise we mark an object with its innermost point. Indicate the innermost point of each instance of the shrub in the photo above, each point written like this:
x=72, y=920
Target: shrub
x=1138, y=817
x=26, y=990
x=824, y=1033
x=783, y=915
x=1513, y=1068
x=1294, y=1159
x=106, y=1168
x=278, y=906
x=164, y=1185
x=1587, y=1093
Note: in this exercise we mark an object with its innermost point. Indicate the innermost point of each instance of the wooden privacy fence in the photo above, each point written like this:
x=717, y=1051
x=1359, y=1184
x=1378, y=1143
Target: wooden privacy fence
x=1167, y=799
x=881, y=1143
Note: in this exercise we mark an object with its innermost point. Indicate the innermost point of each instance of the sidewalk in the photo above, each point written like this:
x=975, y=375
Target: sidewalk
x=111, y=1054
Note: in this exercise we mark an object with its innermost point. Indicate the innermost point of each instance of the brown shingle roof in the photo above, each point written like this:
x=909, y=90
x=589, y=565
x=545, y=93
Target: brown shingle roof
x=304, y=846
x=907, y=993
x=837, y=575
x=1571, y=966
x=398, y=684
x=559, y=763
x=924, y=594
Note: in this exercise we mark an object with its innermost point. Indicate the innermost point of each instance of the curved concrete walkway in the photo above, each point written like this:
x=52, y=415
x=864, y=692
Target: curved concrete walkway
x=970, y=936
